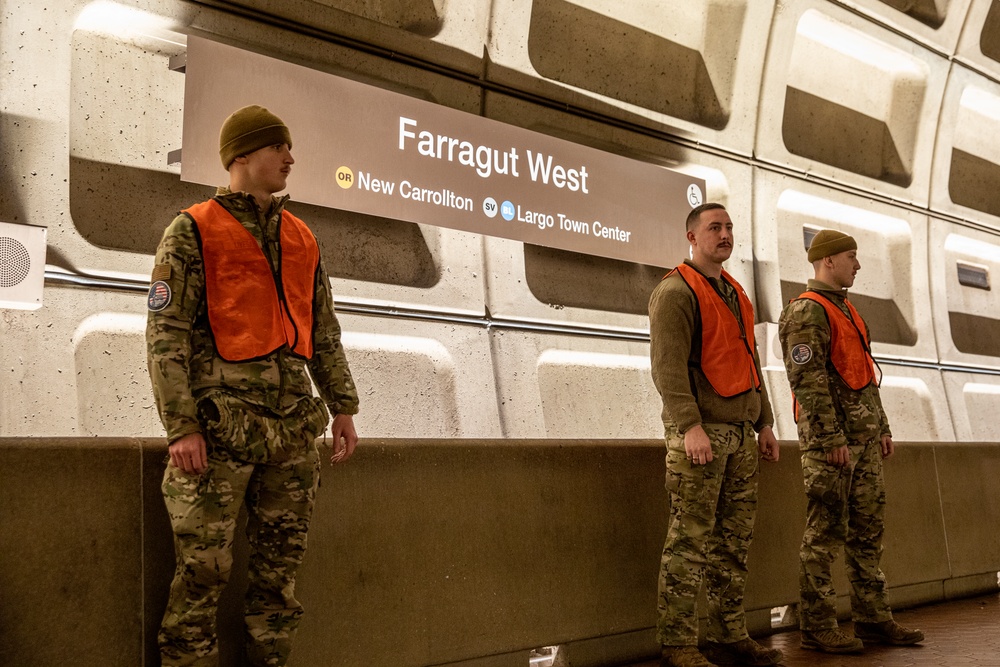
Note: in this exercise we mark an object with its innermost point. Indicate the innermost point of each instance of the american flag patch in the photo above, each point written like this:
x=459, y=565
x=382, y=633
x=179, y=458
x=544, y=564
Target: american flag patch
x=162, y=272
x=159, y=296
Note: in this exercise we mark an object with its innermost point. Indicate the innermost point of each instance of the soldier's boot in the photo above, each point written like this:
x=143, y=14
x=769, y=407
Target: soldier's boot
x=744, y=652
x=887, y=632
x=684, y=656
x=831, y=641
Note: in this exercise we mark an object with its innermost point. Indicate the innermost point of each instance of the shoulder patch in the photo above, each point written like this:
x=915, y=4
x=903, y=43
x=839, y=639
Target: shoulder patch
x=801, y=353
x=159, y=296
x=162, y=272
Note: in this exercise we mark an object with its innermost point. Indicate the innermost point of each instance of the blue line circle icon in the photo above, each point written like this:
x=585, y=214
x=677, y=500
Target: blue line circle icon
x=507, y=210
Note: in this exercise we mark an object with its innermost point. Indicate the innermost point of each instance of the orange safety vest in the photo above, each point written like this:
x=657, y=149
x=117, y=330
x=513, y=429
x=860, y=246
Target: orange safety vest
x=849, y=350
x=727, y=343
x=250, y=311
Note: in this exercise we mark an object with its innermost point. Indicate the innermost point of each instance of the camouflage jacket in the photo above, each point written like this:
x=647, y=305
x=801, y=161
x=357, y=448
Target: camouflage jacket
x=675, y=355
x=181, y=355
x=831, y=414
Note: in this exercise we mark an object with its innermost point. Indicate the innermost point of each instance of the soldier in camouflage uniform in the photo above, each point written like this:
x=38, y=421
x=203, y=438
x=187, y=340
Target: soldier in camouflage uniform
x=844, y=436
x=705, y=367
x=235, y=397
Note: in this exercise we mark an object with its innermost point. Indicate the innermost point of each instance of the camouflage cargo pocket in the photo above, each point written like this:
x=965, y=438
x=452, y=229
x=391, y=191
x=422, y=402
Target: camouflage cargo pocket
x=310, y=417
x=256, y=435
x=829, y=484
x=684, y=479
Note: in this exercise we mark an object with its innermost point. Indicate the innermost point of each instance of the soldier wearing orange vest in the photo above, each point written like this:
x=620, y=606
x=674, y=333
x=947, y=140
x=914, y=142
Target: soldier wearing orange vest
x=844, y=436
x=716, y=416
x=240, y=319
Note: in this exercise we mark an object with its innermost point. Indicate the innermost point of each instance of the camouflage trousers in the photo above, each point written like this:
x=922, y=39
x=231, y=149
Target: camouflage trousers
x=845, y=507
x=712, y=511
x=203, y=510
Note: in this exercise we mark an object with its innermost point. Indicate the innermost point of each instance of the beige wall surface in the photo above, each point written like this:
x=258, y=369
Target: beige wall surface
x=877, y=118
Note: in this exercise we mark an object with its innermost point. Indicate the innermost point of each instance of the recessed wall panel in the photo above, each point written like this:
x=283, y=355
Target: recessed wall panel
x=964, y=263
x=449, y=32
x=911, y=397
x=858, y=103
x=974, y=399
x=423, y=17
x=966, y=180
x=891, y=289
x=114, y=156
x=527, y=282
x=680, y=64
x=421, y=379
x=988, y=38
x=77, y=367
x=700, y=90
x=935, y=22
x=415, y=378
x=38, y=391
x=979, y=47
x=556, y=386
x=114, y=394
x=928, y=12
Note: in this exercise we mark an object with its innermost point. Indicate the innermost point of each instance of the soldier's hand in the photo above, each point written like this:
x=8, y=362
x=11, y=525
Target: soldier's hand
x=697, y=445
x=345, y=438
x=841, y=456
x=189, y=454
x=887, y=446
x=767, y=444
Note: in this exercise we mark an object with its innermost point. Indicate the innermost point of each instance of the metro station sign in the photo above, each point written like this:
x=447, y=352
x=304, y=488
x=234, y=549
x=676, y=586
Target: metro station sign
x=361, y=148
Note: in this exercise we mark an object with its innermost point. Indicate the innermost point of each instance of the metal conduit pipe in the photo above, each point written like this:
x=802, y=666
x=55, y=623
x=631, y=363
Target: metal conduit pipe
x=377, y=310
x=487, y=321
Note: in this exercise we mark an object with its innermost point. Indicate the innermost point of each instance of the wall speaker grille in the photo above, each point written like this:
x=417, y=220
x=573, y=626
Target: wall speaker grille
x=15, y=262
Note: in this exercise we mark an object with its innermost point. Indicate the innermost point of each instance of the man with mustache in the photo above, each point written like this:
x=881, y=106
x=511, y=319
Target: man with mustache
x=716, y=416
x=844, y=436
x=240, y=318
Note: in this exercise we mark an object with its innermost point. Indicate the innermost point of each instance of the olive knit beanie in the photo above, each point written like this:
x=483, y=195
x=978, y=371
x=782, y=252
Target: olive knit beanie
x=249, y=129
x=830, y=242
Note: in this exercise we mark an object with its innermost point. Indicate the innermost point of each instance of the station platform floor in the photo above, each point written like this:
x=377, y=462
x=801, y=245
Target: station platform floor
x=961, y=633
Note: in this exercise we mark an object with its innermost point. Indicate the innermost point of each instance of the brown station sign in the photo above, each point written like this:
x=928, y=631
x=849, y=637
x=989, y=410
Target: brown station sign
x=365, y=149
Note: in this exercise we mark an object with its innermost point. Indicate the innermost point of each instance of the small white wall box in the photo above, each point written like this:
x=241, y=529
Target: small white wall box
x=22, y=266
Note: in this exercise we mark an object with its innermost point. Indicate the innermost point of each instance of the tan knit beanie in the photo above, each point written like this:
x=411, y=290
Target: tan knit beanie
x=830, y=242
x=249, y=129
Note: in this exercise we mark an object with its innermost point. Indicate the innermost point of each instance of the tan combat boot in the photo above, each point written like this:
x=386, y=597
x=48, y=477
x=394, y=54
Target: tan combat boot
x=744, y=652
x=887, y=632
x=684, y=656
x=831, y=640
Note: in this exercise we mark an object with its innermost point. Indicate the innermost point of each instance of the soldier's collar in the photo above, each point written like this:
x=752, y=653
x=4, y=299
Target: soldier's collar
x=820, y=286
x=241, y=200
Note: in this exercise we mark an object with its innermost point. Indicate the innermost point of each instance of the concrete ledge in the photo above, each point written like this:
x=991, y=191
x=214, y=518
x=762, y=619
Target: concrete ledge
x=964, y=587
x=71, y=562
x=435, y=552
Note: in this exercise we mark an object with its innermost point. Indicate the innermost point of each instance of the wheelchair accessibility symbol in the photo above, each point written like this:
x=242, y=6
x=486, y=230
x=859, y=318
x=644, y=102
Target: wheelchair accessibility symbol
x=694, y=196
